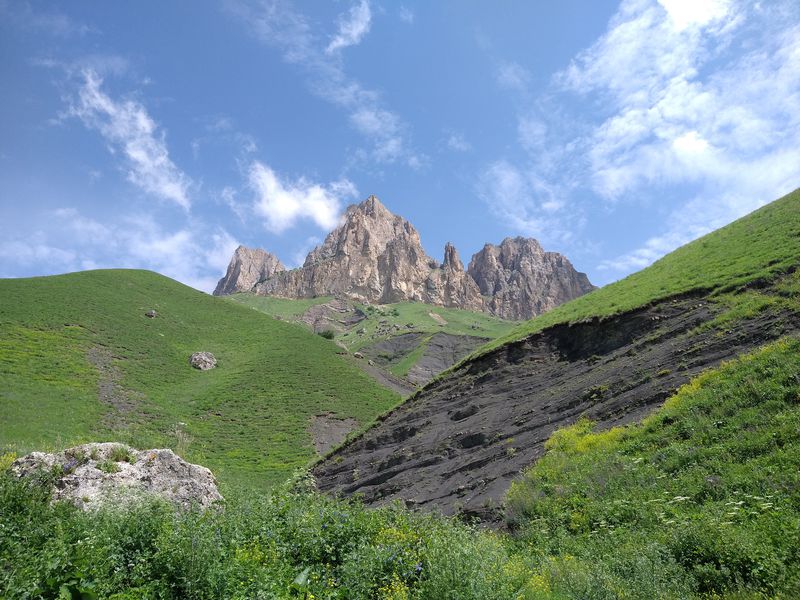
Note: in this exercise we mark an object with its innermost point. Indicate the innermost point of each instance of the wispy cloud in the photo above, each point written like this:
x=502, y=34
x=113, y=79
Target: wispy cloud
x=51, y=22
x=696, y=104
x=406, y=15
x=281, y=202
x=277, y=24
x=457, y=142
x=353, y=26
x=68, y=240
x=128, y=128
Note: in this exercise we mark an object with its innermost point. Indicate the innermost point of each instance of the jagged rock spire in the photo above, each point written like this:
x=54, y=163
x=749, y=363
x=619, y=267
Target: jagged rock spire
x=376, y=256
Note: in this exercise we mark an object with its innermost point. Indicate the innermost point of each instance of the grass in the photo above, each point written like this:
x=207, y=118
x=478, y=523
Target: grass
x=458, y=322
x=701, y=500
x=284, y=308
x=62, y=336
x=757, y=246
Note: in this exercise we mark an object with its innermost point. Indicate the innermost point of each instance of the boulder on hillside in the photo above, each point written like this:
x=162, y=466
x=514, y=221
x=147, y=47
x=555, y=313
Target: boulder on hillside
x=203, y=361
x=94, y=474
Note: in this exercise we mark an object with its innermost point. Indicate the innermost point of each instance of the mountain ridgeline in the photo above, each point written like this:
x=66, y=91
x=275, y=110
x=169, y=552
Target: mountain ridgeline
x=377, y=257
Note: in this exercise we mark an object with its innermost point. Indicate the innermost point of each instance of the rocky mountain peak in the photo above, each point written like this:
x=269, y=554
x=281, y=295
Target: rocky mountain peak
x=522, y=280
x=247, y=267
x=376, y=256
x=451, y=259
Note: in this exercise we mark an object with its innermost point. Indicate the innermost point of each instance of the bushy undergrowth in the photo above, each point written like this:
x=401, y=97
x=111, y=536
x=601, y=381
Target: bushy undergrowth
x=702, y=498
x=292, y=544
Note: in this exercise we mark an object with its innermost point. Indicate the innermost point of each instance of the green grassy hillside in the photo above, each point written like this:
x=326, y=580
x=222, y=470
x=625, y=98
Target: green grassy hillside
x=79, y=361
x=700, y=501
x=408, y=316
x=757, y=246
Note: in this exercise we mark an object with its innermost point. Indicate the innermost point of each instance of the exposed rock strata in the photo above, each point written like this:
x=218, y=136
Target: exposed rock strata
x=376, y=256
x=247, y=267
x=457, y=445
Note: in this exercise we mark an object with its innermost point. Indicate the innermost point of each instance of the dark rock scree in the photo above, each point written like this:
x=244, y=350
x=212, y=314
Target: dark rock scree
x=457, y=444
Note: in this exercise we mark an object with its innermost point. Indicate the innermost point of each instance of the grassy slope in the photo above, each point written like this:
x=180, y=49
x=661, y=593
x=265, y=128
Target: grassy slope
x=458, y=322
x=756, y=246
x=700, y=501
x=285, y=308
x=703, y=496
x=247, y=419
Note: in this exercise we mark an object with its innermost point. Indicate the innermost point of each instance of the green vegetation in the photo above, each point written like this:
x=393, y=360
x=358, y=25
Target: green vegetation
x=759, y=246
x=80, y=361
x=447, y=320
x=407, y=316
x=702, y=500
x=284, y=308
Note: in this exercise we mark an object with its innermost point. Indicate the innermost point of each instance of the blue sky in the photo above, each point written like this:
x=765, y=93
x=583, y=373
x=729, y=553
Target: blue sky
x=161, y=135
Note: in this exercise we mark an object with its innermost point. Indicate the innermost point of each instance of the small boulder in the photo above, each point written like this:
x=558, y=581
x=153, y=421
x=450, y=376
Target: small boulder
x=94, y=474
x=203, y=361
x=151, y=314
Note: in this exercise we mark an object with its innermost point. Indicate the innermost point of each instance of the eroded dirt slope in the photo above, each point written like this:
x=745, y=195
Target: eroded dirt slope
x=457, y=444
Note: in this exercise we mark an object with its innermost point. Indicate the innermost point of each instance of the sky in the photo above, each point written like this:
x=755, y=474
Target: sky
x=161, y=135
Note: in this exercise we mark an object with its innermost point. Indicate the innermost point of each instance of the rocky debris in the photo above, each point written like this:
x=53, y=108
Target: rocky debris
x=328, y=431
x=93, y=474
x=441, y=352
x=521, y=280
x=151, y=314
x=376, y=256
x=247, y=267
x=457, y=445
x=337, y=315
x=203, y=361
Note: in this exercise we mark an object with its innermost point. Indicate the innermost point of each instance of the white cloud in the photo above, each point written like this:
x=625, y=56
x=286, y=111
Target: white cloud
x=127, y=127
x=195, y=254
x=513, y=76
x=352, y=27
x=687, y=13
x=406, y=15
x=51, y=22
x=277, y=24
x=530, y=205
x=457, y=142
x=281, y=203
x=693, y=106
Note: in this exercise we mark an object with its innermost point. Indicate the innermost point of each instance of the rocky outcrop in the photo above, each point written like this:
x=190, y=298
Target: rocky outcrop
x=92, y=475
x=373, y=255
x=520, y=280
x=203, y=360
x=376, y=256
x=451, y=286
x=247, y=267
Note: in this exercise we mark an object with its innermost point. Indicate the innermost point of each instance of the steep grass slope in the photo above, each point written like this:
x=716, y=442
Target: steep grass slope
x=753, y=248
x=700, y=501
x=396, y=336
x=80, y=361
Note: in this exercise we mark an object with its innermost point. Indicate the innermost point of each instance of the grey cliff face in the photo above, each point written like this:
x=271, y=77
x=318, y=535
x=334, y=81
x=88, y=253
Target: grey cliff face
x=376, y=256
x=247, y=267
x=521, y=280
